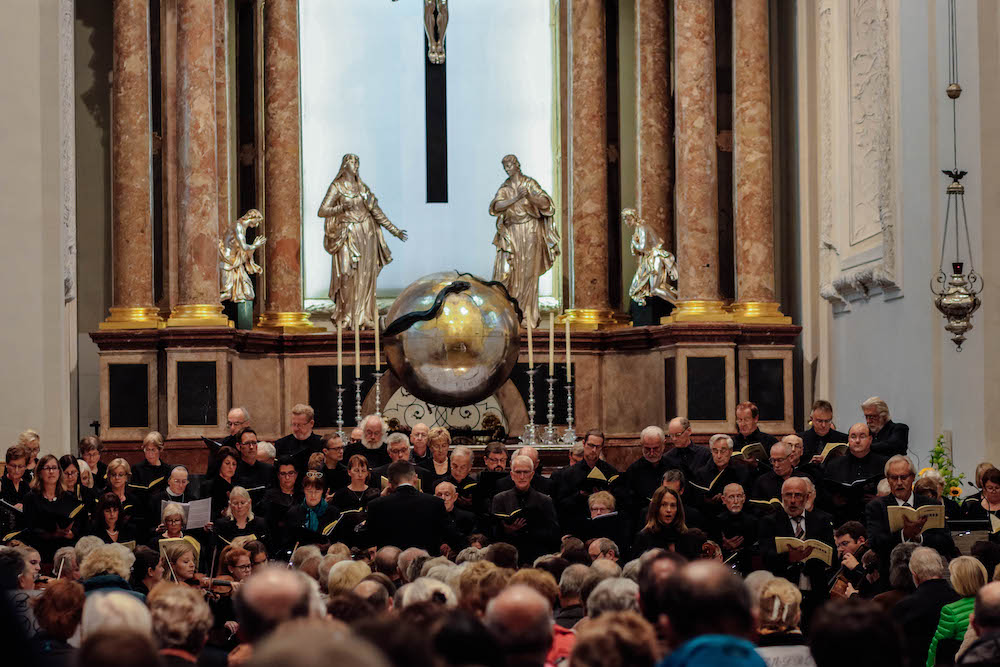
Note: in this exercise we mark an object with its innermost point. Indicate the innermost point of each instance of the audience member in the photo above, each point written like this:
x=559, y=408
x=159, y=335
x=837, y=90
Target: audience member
x=918, y=613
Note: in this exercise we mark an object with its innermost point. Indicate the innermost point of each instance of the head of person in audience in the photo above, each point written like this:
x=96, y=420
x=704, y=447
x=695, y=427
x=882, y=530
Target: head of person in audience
x=48, y=477
x=446, y=492
x=240, y=506
x=181, y=618
x=439, y=441
x=734, y=497
x=778, y=608
x=600, y=503
x=177, y=481
x=901, y=473
x=70, y=472
x=372, y=431
x=652, y=440
x=860, y=624
x=721, y=447
x=520, y=620
x=148, y=568
x=266, y=452
x=883, y=489
x=850, y=537
x=781, y=459
x=615, y=638
x=747, y=415
x=107, y=560
x=65, y=565
x=603, y=548
x=795, y=448
x=302, y=421
x=398, y=447
x=859, y=440
x=985, y=618
x=31, y=441
x=794, y=493
x=679, y=432
x=238, y=563
x=237, y=419
x=152, y=447
x=967, y=575
x=929, y=488
x=991, y=487
x=593, y=445
x=522, y=470
x=926, y=564
x=119, y=473
x=418, y=438
x=665, y=511
x=705, y=597
x=182, y=560
x=258, y=553
x=16, y=463
x=876, y=413
x=229, y=460
x=357, y=470
x=90, y=451
x=495, y=456
x=248, y=446
x=287, y=474
x=59, y=609
x=109, y=509
x=461, y=463
x=172, y=519
x=333, y=449
x=313, y=488
x=821, y=417
x=270, y=597
x=118, y=647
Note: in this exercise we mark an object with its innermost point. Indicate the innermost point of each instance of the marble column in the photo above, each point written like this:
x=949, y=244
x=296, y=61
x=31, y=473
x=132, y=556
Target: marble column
x=697, y=165
x=654, y=195
x=222, y=116
x=589, y=157
x=197, y=170
x=752, y=157
x=131, y=159
x=282, y=170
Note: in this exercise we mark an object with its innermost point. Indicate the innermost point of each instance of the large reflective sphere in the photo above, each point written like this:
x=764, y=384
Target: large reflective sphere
x=464, y=353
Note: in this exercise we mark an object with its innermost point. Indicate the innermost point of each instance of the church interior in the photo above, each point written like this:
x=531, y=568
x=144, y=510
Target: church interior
x=532, y=222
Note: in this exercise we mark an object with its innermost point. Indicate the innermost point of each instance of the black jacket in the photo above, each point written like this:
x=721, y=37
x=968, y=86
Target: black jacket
x=407, y=518
x=766, y=439
x=918, y=615
x=298, y=450
x=818, y=527
x=813, y=443
x=640, y=480
x=892, y=439
x=376, y=457
x=687, y=459
x=540, y=535
x=877, y=527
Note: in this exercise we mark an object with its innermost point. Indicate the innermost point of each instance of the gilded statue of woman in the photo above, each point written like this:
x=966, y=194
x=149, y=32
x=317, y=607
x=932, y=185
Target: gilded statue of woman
x=353, y=235
x=527, y=241
x=236, y=262
x=657, y=266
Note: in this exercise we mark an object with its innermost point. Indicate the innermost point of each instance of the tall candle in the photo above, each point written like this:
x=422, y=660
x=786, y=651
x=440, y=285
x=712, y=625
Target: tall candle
x=552, y=344
x=531, y=351
x=357, y=352
x=378, y=364
x=340, y=354
x=569, y=373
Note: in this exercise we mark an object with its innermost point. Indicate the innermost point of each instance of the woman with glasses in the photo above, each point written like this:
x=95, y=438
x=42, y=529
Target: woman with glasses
x=282, y=496
x=108, y=524
x=119, y=473
x=313, y=519
x=51, y=514
x=14, y=486
x=235, y=566
x=440, y=444
x=173, y=527
x=72, y=483
x=90, y=451
x=238, y=520
x=150, y=474
x=989, y=504
x=224, y=481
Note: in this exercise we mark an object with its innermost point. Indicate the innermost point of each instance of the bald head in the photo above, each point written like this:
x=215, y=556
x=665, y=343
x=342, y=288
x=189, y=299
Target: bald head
x=530, y=452
x=706, y=597
x=269, y=597
x=986, y=617
x=521, y=621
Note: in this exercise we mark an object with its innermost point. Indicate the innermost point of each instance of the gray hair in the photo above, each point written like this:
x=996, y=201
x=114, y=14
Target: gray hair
x=381, y=422
x=577, y=448
x=926, y=563
x=721, y=436
x=176, y=468
x=899, y=565
x=653, y=433
x=899, y=458
x=426, y=589
x=755, y=582
x=683, y=421
x=878, y=404
x=615, y=594
x=115, y=610
x=397, y=437
x=246, y=413
x=267, y=449
x=571, y=581
x=468, y=555
x=631, y=569
x=605, y=545
x=85, y=545
x=674, y=476
x=64, y=560
x=461, y=450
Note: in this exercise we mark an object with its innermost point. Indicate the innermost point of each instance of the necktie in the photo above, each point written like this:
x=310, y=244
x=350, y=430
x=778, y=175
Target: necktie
x=907, y=504
x=799, y=528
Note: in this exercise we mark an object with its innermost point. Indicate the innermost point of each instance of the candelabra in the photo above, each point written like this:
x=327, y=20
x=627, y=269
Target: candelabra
x=378, y=392
x=569, y=437
x=550, y=430
x=528, y=438
x=357, y=400
x=340, y=411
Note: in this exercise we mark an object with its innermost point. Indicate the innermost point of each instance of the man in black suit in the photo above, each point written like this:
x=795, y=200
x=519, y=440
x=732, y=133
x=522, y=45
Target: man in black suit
x=641, y=479
x=684, y=455
x=747, y=432
x=537, y=532
x=584, y=478
x=919, y=612
x=821, y=432
x=769, y=484
x=405, y=517
x=888, y=437
x=860, y=463
x=538, y=481
x=371, y=444
x=809, y=575
x=901, y=473
x=461, y=522
x=301, y=442
x=735, y=530
x=721, y=470
x=398, y=448
x=335, y=473
x=251, y=473
x=464, y=480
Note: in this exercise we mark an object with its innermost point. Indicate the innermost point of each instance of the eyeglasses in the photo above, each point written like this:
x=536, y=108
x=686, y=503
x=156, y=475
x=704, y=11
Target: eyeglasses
x=286, y=473
x=899, y=478
x=674, y=436
x=16, y=466
x=248, y=566
x=521, y=472
x=313, y=474
x=229, y=423
x=335, y=449
x=118, y=475
x=775, y=459
x=50, y=468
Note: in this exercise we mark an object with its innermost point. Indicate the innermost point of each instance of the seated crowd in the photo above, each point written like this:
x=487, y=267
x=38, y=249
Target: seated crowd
x=390, y=550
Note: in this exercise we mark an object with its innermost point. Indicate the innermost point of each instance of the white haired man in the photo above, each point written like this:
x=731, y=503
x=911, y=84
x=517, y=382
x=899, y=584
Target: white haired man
x=643, y=477
x=397, y=445
x=371, y=445
x=525, y=517
x=888, y=437
x=721, y=470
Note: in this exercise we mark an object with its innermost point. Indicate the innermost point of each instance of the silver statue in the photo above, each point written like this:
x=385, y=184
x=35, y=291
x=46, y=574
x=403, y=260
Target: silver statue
x=435, y=44
x=657, y=266
x=236, y=262
x=353, y=235
x=527, y=241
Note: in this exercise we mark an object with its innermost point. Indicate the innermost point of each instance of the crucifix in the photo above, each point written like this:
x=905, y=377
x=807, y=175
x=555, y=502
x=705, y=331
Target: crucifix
x=436, y=101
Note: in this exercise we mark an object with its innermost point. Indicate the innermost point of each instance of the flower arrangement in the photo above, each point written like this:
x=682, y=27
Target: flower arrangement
x=941, y=461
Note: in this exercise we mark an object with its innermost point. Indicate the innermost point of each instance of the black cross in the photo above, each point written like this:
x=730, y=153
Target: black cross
x=436, y=129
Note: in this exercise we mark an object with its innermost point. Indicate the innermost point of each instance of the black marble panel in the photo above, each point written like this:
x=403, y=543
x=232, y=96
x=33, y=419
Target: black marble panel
x=706, y=388
x=519, y=376
x=323, y=392
x=670, y=388
x=197, y=395
x=128, y=395
x=767, y=387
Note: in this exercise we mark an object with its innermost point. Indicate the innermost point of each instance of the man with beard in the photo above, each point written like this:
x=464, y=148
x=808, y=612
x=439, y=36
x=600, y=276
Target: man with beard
x=642, y=478
x=371, y=445
x=735, y=530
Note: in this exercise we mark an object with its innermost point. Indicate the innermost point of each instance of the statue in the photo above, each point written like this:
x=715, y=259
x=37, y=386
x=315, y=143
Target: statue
x=353, y=236
x=527, y=241
x=435, y=46
x=656, y=267
x=236, y=264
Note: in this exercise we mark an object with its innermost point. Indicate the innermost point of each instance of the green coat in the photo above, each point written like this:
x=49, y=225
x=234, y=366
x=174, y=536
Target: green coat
x=952, y=625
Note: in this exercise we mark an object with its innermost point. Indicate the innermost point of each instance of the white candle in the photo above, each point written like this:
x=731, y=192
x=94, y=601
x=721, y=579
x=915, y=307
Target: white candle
x=569, y=373
x=340, y=354
x=552, y=344
x=531, y=351
x=378, y=364
x=357, y=352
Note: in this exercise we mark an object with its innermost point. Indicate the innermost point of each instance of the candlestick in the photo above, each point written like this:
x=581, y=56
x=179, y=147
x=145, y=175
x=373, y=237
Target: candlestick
x=378, y=390
x=531, y=351
x=378, y=363
x=357, y=400
x=569, y=437
x=550, y=430
x=357, y=351
x=569, y=374
x=552, y=344
x=340, y=411
x=528, y=438
x=340, y=354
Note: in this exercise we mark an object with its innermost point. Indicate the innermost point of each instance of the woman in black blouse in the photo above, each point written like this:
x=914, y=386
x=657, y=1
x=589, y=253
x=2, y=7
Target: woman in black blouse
x=665, y=526
x=50, y=513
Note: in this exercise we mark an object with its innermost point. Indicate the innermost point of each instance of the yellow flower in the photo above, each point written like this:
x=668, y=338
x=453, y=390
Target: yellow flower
x=955, y=491
x=923, y=470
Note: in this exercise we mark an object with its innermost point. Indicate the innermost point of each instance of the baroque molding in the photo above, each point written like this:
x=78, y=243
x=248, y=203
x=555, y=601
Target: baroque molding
x=67, y=146
x=858, y=150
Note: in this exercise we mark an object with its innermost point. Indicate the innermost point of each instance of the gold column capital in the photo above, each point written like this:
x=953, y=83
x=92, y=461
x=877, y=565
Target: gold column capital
x=759, y=312
x=141, y=317
x=289, y=323
x=198, y=315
